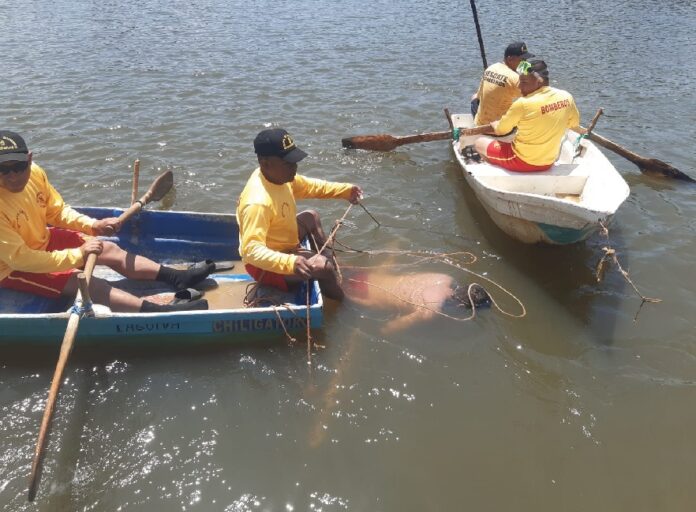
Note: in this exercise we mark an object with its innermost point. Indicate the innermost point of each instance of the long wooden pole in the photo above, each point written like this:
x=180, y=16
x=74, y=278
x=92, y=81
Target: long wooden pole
x=650, y=166
x=136, y=176
x=157, y=190
x=478, y=33
x=83, y=304
x=386, y=142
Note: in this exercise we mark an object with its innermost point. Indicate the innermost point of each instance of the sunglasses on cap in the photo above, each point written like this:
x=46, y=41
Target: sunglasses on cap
x=524, y=68
x=16, y=167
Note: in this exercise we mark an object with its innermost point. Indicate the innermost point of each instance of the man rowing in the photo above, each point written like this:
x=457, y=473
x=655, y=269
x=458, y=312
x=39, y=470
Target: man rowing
x=541, y=117
x=43, y=260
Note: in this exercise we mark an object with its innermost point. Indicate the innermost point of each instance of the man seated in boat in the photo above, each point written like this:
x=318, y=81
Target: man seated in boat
x=270, y=229
x=42, y=260
x=500, y=85
x=541, y=117
x=417, y=297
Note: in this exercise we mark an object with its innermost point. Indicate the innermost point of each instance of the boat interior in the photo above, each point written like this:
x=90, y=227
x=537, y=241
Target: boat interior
x=566, y=180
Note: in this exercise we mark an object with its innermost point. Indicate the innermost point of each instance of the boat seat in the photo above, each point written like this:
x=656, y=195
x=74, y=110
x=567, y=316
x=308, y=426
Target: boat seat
x=544, y=184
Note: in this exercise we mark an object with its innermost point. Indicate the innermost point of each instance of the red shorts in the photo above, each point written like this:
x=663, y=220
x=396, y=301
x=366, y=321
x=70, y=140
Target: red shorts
x=501, y=154
x=267, y=278
x=52, y=284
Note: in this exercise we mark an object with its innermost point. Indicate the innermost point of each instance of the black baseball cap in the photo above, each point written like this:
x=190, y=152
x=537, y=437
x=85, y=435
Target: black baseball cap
x=12, y=147
x=539, y=67
x=518, y=49
x=278, y=142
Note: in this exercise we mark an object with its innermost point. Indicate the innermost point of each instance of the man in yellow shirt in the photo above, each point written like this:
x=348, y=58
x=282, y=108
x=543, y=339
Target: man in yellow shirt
x=500, y=85
x=541, y=117
x=270, y=230
x=39, y=259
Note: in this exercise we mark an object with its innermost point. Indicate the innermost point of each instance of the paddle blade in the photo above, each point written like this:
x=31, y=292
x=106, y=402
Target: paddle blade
x=382, y=142
x=654, y=167
x=159, y=187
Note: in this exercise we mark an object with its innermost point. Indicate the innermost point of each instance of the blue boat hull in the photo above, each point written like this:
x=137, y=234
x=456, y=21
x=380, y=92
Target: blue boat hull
x=165, y=237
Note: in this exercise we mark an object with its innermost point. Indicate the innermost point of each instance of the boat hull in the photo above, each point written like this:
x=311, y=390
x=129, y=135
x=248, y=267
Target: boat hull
x=165, y=237
x=564, y=205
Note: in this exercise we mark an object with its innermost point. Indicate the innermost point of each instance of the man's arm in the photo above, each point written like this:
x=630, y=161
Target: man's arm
x=15, y=253
x=479, y=130
x=404, y=322
x=312, y=188
x=62, y=215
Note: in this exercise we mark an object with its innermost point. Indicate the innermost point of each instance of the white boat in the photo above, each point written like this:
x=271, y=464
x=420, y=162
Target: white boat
x=563, y=205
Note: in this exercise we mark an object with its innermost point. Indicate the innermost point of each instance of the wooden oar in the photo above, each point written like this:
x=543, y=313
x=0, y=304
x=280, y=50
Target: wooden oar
x=588, y=131
x=159, y=188
x=386, y=142
x=650, y=166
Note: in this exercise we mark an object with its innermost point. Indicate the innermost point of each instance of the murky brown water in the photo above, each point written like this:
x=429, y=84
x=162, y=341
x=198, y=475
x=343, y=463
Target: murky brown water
x=575, y=407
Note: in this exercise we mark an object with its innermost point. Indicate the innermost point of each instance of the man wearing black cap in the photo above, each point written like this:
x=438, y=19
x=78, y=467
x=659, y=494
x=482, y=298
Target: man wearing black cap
x=499, y=86
x=270, y=229
x=541, y=117
x=41, y=260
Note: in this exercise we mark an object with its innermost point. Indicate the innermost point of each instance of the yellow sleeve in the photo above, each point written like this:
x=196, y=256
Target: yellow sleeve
x=574, y=118
x=254, y=223
x=61, y=215
x=510, y=119
x=311, y=188
x=15, y=253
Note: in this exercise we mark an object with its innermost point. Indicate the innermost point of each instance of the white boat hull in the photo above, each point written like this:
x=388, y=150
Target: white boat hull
x=563, y=205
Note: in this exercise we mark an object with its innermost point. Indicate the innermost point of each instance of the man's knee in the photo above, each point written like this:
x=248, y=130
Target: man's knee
x=110, y=252
x=321, y=266
x=309, y=219
x=481, y=145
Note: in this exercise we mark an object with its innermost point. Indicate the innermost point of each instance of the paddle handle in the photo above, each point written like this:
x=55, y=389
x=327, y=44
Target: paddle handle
x=619, y=150
x=423, y=137
x=65, y=350
x=136, y=176
x=449, y=119
x=600, y=111
x=132, y=210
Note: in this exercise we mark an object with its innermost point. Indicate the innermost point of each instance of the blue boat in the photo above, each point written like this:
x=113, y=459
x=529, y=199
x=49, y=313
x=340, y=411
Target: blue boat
x=168, y=237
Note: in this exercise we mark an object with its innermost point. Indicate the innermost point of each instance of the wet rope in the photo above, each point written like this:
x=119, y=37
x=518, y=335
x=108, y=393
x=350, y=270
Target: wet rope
x=446, y=258
x=82, y=308
x=609, y=256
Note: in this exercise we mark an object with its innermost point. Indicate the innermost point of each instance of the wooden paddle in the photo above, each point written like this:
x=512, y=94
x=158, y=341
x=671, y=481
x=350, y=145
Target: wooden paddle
x=157, y=190
x=649, y=166
x=386, y=142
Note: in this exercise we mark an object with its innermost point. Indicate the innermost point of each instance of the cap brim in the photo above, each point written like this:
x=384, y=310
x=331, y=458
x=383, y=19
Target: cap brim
x=295, y=156
x=527, y=55
x=14, y=157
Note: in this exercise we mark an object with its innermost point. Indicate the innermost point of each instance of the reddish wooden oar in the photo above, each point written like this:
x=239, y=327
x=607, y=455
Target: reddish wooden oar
x=386, y=142
x=157, y=190
x=650, y=166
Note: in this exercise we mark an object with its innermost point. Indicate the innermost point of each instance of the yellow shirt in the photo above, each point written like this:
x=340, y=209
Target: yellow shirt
x=24, y=235
x=266, y=215
x=499, y=87
x=541, y=119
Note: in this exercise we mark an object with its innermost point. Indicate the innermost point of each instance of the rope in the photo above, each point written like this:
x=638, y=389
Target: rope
x=446, y=258
x=83, y=309
x=610, y=255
